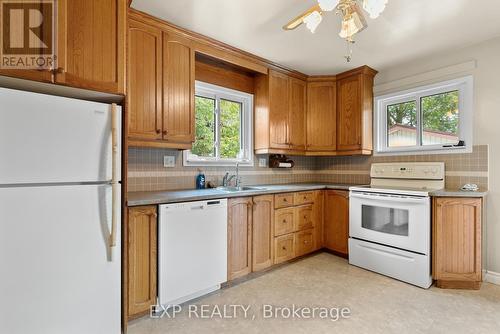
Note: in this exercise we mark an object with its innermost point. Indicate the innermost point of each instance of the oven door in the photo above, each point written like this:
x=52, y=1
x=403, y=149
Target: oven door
x=392, y=220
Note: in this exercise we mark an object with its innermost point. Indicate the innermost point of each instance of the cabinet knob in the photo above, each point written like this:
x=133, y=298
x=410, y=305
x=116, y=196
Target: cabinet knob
x=284, y=221
x=165, y=132
x=158, y=131
x=284, y=199
x=305, y=242
x=284, y=248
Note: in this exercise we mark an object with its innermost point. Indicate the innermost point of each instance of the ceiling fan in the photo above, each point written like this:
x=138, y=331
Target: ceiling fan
x=353, y=20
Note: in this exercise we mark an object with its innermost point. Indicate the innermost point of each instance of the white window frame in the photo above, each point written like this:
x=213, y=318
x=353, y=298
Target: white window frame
x=465, y=88
x=217, y=93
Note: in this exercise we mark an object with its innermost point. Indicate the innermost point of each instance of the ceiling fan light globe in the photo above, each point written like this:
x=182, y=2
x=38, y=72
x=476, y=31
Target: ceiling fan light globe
x=374, y=7
x=352, y=24
x=328, y=5
x=313, y=20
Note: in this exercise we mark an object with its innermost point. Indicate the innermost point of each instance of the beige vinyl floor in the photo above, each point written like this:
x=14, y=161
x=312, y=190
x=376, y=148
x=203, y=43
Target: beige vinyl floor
x=377, y=304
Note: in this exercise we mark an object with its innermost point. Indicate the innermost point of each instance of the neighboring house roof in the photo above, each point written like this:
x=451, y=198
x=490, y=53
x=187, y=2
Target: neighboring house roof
x=441, y=134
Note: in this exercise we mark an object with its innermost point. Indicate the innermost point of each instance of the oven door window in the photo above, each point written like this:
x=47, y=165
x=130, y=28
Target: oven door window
x=385, y=220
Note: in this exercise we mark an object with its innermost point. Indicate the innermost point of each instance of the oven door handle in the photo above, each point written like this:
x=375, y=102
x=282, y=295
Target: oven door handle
x=390, y=198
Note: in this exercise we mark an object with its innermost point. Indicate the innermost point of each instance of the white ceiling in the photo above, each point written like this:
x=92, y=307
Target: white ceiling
x=406, y=30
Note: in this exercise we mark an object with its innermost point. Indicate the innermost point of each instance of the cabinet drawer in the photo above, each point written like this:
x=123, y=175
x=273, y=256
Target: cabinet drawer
x=283, y=221
x=283, y=200
x=284, y=248
x=304, y=242
x=303, y=218
x=304, y=197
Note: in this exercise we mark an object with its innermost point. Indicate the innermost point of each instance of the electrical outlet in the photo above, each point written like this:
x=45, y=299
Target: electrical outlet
x=168, y=161
x=262, y=162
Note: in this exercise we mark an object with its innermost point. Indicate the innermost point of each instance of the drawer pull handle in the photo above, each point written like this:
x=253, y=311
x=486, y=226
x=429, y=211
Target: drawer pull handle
x=305, y=242
x=284, y=248
x=284, y=221
x=284, y=199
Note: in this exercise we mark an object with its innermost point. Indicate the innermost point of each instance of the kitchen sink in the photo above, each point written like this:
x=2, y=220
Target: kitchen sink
x=242, y=188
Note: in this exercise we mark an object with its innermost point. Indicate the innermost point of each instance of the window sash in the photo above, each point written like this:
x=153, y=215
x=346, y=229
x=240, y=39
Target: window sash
x=245, y=156
x=464, y=88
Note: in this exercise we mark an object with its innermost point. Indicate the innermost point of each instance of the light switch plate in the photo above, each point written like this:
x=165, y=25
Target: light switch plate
x=168, y=161
x=262, y=162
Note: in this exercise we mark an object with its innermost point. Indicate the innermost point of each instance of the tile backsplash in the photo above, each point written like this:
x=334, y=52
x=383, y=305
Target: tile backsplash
x=146, y=171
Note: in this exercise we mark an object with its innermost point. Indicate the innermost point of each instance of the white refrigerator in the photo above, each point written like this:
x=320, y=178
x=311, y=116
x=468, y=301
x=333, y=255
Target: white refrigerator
x=60, y=249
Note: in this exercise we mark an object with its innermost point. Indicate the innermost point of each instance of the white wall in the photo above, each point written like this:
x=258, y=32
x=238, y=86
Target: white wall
x=437, y=67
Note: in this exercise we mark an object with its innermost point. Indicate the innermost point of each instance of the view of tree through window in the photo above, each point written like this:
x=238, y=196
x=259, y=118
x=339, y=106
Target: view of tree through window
x=205, y=127
x=439, y=117
x=230, y=124
x=229, y=128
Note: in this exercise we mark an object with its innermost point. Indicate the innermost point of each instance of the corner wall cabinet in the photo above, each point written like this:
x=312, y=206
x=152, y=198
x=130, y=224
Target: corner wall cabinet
x=456, y=242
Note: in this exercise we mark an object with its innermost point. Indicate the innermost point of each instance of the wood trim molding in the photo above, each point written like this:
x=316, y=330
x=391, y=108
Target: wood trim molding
x=359, y=70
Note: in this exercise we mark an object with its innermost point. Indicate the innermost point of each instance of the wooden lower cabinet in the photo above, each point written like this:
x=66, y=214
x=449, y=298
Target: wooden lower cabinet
x=262, y=232
x=456, y=242
x=239, y=231
x=304, y=242
x=142, y=260
x=284, y=248
x=336, y=223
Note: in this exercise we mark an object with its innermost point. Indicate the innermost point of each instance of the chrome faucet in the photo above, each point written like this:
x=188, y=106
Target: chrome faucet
x=226, y=179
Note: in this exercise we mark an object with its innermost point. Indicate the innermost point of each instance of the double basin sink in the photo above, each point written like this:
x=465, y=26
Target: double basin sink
x=239, y=189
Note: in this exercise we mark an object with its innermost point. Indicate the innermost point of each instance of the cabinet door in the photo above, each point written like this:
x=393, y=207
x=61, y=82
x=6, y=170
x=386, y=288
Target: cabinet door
x=284, y=248
x=336, y=225
x=321, y=116
x=297, y=114
x=91, y=44
x=239, y=237
x=142, y=259
x=263, y=222
x=279, y=96
x=457, y=239
x=178, y=89
x=144, y=86
x=349, y=104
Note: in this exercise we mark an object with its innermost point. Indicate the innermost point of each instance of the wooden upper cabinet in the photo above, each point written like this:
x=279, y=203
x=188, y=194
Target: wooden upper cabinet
x=91, y=44
x=262, y=235
x=456, y=237
x=355, y=110
x=336, y=221
x=297, y=114
x=239, y=231
x=279, y=101
x=178, y=89
x=144, y=84
x=321, y=116
x=141, y=259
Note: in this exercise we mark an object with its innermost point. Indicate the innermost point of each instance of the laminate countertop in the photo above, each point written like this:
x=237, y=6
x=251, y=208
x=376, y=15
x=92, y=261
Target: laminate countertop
x=177, y=196
x=458, y=193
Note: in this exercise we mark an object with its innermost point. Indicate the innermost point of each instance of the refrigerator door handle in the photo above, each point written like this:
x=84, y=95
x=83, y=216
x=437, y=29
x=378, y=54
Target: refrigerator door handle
x=114, y=181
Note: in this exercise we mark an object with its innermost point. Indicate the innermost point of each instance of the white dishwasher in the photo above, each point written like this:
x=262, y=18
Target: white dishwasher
x=192, y=255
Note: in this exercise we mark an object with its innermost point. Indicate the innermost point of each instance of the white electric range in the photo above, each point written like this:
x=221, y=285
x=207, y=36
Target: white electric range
x=390, y=220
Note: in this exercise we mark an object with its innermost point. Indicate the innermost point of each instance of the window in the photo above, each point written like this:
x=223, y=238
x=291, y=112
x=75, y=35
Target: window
x=430, y=118
x=223, y=127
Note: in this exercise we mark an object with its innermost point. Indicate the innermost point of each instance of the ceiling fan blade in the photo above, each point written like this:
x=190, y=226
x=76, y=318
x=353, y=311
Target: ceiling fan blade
x=300, y=19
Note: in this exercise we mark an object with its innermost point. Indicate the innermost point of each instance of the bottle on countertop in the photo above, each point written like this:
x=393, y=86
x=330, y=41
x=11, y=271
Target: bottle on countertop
x=200, y=180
